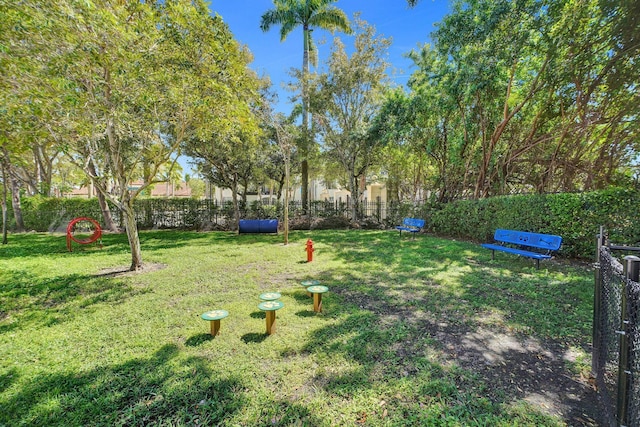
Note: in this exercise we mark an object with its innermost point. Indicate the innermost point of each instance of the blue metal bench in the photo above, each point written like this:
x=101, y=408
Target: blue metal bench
x=542, y=243
x=411, y=225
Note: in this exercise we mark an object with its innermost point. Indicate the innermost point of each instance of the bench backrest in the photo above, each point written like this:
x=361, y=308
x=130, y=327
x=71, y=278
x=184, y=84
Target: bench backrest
x=534, y=240
x=413, y=222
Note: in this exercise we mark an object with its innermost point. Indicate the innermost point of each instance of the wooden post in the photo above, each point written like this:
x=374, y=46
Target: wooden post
x=215, y=327
x=317, y=302
x=214, y=317
x=271, y=322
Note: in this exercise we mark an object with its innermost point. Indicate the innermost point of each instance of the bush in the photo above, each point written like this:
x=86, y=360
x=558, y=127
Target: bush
x=575, y=217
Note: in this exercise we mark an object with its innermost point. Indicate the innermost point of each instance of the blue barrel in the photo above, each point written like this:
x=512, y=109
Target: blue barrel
x=258, y=226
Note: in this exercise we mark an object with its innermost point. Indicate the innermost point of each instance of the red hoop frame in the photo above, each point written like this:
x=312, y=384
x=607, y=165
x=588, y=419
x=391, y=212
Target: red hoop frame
x=97, y=234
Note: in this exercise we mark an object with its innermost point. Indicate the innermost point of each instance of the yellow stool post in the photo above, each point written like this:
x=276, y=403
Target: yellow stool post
x=317, y=292
x=214, y=317
x=270, y=308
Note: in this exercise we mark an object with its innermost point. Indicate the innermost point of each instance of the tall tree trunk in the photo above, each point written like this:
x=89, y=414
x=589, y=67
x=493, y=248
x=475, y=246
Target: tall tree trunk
x=109, y=223
x=15, y=203
x=234, y=197
x=305, y=122
x=102, y=201
x=132, y=236
x=355, y=197
x=4, y=205
x=281, y=183
x=286, y=198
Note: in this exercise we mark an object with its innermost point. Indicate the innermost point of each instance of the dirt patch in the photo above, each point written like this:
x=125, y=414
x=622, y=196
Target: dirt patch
x=513, y=367
x=125, y=271
x=525, y=368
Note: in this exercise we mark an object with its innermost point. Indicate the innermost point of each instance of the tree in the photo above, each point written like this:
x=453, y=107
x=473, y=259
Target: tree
x=308, y=14
x=523, y=96
x=283, y=132
x=345, y=103
x=128, y=83
x=228, y=160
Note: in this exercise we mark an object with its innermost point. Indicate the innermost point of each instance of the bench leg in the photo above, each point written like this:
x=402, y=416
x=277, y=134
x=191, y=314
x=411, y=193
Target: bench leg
x=538, y=264
x=493, y=254
x=271, y=322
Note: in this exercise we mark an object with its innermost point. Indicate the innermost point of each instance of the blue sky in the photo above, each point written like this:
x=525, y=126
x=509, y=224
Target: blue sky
x=408, y=28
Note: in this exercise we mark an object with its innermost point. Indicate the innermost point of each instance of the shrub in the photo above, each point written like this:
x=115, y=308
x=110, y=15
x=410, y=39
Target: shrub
x=575, y=217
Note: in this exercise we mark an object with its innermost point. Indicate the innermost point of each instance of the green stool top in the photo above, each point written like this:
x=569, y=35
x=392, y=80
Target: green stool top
x=317, y=289
x=270, y=296
x=215, y=315
x=310, y=282
x=270, y=305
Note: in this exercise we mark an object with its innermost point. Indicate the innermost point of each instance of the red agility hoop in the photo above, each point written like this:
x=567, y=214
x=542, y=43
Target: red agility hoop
x=97, y=233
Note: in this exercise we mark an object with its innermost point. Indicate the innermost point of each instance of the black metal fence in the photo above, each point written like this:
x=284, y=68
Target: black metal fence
x=207, y=214
x=616, y=333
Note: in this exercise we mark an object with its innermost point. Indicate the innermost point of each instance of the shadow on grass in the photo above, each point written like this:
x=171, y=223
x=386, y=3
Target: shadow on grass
x=306, y=313
x=258, y=315
x=254, y=337
x=198, y=339
x=302, y=297
x=28, y=299
x=161, y=389
x=7, y=379
x=404, y=300
x=34, y=244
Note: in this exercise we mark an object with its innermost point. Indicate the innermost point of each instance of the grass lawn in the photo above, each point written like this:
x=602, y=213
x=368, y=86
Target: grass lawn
x=423, y=331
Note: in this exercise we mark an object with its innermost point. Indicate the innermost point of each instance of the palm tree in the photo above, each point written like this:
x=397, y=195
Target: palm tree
x=308, y=14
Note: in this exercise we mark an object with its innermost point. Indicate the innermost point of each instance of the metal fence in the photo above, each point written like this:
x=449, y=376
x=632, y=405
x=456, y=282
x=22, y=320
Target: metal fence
x=616, y=333
x=197, y=214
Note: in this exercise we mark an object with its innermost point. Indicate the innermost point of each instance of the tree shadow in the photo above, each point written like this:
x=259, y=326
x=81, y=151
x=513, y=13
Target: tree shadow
x=34, y=244
x=198, y=339
x=254, y=337
x=438, y=296
x=306, y=313
x=28, y=299
x=8, y=378
x=161, y=389
x=301, y=296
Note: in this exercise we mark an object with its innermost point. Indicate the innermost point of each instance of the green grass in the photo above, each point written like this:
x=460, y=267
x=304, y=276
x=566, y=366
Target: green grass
x=81, y=348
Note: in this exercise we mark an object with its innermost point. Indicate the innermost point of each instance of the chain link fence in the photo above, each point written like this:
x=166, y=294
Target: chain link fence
x=616, y=333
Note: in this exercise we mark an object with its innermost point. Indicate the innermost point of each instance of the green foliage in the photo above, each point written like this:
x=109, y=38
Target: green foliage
x=575, y=217
x=49, y=214
x=521, y=95
x=344, y=102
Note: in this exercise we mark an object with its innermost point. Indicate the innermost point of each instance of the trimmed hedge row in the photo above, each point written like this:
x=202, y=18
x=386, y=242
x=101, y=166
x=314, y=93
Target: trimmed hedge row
x=575, y=217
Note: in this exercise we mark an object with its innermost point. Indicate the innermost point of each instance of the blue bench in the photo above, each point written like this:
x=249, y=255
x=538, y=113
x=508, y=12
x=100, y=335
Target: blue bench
x=542, y=244
x=258, y=226
x=411, y=225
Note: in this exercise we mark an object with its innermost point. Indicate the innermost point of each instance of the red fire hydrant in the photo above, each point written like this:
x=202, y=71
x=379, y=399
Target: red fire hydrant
x=310, y=250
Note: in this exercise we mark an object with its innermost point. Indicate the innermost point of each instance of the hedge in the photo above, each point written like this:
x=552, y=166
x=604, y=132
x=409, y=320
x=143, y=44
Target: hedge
x=575, y=217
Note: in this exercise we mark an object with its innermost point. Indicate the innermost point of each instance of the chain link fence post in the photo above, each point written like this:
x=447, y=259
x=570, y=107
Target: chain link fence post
x=597, y=304
x=631, y=272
